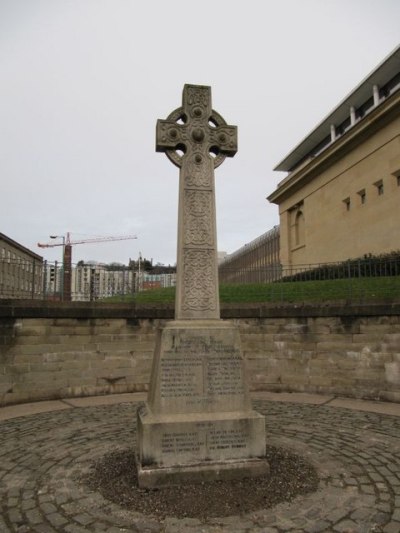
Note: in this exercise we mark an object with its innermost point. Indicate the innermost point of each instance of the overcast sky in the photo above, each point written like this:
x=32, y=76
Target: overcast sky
x=83, y=82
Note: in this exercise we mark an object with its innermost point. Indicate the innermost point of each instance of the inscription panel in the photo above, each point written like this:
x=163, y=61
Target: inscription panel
x=225, y=439
x=224, y=376
x=181, y=442
x=198, y=374
x=181, y=377
x=207, y=439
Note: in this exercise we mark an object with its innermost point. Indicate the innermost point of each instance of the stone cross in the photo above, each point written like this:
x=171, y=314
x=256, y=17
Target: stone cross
x=197, y=140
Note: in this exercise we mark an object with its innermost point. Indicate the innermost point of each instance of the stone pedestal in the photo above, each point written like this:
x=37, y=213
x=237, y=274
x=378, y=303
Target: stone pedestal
x=198, y=424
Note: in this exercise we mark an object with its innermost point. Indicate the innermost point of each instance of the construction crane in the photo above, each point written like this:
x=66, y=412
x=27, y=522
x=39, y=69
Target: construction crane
x=67, y=255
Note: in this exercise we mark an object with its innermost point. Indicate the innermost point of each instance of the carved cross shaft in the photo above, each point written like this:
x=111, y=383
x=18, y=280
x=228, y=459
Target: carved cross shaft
x=197, y=140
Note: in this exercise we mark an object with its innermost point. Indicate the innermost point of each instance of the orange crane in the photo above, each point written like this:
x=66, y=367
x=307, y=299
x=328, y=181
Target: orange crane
x=67, y=255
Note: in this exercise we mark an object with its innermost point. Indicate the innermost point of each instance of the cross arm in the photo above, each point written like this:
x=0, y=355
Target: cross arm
x=224, y=139
x=169, y=135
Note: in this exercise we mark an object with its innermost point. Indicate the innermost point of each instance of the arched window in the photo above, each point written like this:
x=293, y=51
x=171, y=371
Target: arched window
x=299, y=228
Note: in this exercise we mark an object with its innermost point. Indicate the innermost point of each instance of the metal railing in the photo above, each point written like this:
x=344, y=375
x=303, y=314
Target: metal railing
x=88, y=282
x=361, y=278
x=358, y=279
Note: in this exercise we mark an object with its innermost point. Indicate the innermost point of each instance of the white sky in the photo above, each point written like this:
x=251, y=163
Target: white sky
x=83, y=82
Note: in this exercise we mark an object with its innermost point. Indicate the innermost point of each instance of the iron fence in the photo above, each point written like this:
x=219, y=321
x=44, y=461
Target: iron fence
x=361, y=278
x=358, y=279
x=351, y=269
x=24, y=279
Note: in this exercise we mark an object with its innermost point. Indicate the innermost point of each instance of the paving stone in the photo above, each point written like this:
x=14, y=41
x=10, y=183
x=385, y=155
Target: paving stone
x=83, y=519
x=320, y=525
x=57, y=519
x=381, y=518
x=99, y=526
x=34, y=516
x=361, y=514
x=392, y=527
x=3, y=527
x=44, y=528
x=357, y=454
x=368, y=489
x=376, y=478
x=24, y=529
x=48, y=508
x=396, y=515
x=73, y=528
x=337, y=515
x=25, y=505
x=15, y=516
x=384, y=507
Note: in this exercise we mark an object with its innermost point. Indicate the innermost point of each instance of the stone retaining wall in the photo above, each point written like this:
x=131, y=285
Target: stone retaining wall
x=59, y=351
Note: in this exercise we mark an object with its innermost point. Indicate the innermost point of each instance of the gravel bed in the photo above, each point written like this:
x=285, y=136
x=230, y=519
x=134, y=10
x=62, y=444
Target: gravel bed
x=114, y=476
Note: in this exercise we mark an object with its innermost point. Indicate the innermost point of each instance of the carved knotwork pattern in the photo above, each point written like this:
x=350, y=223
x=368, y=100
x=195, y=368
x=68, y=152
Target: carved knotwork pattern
x=199, y=280
x=199, y=171
x=224, y=137
x=198, y=211
x=198, y=96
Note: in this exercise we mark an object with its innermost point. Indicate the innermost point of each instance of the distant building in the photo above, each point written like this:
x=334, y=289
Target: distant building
x=255, y=262
x=53, y=280
x=95, y=281
x=157, y=281
x=20, y=270
x=341, y=197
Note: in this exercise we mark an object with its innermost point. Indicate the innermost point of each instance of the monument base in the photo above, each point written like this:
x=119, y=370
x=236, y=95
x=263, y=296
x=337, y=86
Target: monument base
x=155, y=477
x=198, y=424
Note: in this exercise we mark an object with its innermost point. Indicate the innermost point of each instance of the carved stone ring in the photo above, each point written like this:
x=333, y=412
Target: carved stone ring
x=198, y=134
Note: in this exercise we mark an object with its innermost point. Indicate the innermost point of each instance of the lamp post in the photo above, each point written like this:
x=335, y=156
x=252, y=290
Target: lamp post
x=139, y=274
x=62, y=284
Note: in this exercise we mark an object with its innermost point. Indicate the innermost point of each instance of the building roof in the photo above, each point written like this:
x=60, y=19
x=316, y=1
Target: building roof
x=15, y=244
x=380, y=76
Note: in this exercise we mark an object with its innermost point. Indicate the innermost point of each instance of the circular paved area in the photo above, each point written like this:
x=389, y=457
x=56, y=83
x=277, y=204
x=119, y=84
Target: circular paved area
x=356, y=453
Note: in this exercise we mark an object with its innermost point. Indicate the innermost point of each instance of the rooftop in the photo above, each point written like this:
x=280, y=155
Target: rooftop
x=18, y=246
x=386, y=77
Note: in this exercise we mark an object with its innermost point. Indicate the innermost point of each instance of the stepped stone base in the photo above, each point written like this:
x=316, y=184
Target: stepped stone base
x=198, y=423
x=150, y=478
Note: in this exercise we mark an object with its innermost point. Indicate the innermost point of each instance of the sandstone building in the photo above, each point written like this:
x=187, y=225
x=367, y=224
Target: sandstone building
x=341, y=197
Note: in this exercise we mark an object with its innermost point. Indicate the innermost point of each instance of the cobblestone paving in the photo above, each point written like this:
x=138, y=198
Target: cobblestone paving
x=356, y=453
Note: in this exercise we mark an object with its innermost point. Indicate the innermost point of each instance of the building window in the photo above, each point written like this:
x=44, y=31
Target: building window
x=363, y=196
x=379, y=187
x=347, y=203
x=299, y=228
x=396, y=176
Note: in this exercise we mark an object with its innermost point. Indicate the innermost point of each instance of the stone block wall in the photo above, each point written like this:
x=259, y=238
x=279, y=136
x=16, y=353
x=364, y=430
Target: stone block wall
x=59, y=358
x=341, y=355
x=67, y=351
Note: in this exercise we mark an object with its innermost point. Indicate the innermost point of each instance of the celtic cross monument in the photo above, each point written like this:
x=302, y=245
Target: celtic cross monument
x=202, y=133
x=197, y=424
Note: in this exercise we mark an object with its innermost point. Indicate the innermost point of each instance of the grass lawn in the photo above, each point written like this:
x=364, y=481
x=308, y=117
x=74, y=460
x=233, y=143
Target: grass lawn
x=293, y=291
